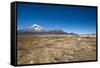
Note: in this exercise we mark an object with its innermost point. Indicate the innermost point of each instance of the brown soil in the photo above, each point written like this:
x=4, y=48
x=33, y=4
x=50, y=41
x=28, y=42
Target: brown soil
x=36, y=50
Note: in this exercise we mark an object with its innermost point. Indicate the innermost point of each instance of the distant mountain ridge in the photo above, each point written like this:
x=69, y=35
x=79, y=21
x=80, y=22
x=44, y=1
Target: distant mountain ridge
x=38, y=30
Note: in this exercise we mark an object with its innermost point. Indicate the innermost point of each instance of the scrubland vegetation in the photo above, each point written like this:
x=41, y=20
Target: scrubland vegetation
x=53, y=49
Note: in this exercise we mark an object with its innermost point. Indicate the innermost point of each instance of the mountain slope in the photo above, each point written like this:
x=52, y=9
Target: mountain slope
x=38, y=30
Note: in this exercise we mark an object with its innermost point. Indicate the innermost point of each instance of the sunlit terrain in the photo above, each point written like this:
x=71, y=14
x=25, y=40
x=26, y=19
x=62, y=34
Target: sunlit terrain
x=32, y=49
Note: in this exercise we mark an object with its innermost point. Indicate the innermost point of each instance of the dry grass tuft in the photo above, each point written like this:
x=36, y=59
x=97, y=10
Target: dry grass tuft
x=35, y=50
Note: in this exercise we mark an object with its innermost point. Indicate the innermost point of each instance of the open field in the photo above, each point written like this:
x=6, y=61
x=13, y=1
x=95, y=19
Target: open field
x=52, y=49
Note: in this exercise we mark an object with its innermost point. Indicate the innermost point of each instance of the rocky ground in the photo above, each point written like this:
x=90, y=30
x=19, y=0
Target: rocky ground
x=36, y=50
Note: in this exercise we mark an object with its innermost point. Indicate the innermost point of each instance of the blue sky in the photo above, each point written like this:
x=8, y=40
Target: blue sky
x=67, y=18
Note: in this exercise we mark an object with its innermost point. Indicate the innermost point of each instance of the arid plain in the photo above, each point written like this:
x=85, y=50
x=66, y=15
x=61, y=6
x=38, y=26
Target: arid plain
x=39, y=49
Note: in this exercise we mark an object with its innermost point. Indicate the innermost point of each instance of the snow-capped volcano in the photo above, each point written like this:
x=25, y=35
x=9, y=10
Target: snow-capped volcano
x=38, y=30
x=35, y=27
